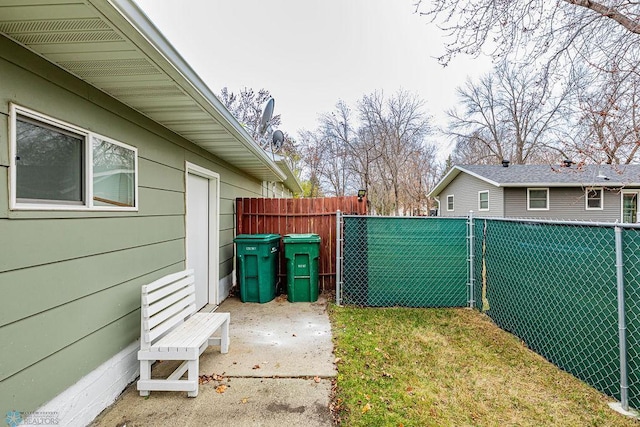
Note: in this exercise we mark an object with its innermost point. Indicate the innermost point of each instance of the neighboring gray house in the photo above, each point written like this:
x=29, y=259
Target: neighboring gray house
x=605, y=193
x=118, y=166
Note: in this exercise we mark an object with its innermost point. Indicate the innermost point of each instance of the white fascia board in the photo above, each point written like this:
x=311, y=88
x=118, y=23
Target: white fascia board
x=139, y=22
x=444, y=182
x=451, y=175
x=482, y=178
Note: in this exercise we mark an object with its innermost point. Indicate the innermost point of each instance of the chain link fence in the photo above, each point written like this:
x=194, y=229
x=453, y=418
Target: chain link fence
x=410, y=261
x=570, y=291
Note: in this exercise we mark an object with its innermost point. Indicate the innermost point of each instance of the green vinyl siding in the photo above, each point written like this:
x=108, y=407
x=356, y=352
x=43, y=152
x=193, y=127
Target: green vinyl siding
x=39, y=241
x=159, y=176
x=28, y=389
x=78, y=278
x=4, y=190
x=39, y=336
x=71, y=279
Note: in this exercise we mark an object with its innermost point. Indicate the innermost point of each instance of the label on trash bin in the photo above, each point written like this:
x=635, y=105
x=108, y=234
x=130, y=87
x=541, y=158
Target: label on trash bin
x=274, y=249
x=251, y=248
x=302, y=265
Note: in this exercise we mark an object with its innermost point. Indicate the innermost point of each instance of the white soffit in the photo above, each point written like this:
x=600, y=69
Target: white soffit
x=113, y=46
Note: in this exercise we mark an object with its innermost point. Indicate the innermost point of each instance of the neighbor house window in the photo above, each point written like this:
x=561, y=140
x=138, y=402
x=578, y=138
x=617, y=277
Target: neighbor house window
x=483, y=200
x=450, y=202
x=56, y=165
x=538, y=199
x=594, y=198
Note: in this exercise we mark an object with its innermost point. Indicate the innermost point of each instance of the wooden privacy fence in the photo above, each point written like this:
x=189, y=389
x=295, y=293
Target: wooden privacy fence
x=299, y=216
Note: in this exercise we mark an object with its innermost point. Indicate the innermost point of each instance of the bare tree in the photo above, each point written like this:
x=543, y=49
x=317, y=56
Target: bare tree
x=339, y=135
x=507, y=115
x=607, y=128
x=383, y=150
x=312, y=155
x=594, y=30
x=247, y=107
x=397, y=127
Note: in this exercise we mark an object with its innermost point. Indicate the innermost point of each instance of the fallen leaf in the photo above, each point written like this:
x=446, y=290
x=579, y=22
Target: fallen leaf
x=220, y=389
x=244, y=400
x=256, y=367
x=316, y=379
x=366, y=408
x=338, y=360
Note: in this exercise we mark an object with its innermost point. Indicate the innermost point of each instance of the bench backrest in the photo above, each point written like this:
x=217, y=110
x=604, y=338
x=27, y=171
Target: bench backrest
x=166, y=303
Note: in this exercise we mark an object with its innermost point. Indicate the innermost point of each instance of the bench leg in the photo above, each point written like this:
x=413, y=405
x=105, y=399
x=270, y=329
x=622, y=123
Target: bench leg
x=192, y=377
x=145, y=374
x=224, y=337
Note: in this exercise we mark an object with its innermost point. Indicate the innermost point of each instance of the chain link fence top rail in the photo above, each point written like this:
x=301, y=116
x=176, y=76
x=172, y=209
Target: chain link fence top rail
x=404, y=261
x=554, y=286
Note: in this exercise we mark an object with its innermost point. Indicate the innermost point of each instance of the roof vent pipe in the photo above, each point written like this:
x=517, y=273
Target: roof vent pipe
x=567, y=163
x=505, y=163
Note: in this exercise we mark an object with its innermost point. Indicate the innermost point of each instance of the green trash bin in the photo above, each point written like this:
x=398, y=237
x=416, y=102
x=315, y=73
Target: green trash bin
x=257, y=264
x=302, y=252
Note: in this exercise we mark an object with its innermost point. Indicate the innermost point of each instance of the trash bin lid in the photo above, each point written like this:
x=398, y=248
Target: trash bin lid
x=301, y=238
x=256, y=238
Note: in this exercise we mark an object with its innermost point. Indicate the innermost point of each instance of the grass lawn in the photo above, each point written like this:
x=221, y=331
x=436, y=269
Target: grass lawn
x=451, y=367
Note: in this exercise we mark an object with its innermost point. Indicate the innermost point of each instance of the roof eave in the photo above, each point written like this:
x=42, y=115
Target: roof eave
x=291, y=181
x=128, y=18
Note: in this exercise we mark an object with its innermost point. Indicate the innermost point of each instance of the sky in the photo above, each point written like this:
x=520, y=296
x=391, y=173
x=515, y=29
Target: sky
x=312, y=53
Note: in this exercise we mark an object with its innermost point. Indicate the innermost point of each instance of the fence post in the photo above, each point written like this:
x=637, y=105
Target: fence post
x=622, y=324
x=470, y=243
x=338, y=258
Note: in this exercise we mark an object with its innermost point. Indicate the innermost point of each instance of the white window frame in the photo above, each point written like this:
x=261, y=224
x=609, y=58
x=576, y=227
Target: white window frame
x=479, y=201
x=529, y=208
x=622, y=194
x=586, y=198
x=452, y=203
x=87, y=205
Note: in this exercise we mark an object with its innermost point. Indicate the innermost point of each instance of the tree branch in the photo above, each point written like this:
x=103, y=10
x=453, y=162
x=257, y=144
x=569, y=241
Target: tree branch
x=609, y=12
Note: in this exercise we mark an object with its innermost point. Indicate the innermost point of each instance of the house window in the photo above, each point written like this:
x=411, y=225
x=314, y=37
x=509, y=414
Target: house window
x=593, y=198
x=56, y=165
x=483, y=200
x=537, y=199
x=450, y=202
x=50, y=163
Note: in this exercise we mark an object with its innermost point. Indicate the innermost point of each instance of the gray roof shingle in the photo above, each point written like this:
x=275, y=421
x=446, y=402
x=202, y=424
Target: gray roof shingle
x=554, y=175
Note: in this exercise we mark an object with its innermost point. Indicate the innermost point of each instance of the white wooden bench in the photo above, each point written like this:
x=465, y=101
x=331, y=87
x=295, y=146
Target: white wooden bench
x=172, y=330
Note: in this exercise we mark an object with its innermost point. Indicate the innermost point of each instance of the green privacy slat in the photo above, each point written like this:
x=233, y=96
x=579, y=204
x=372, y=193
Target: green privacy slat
x=631, y=259
x=552, y=285
x=412, y=262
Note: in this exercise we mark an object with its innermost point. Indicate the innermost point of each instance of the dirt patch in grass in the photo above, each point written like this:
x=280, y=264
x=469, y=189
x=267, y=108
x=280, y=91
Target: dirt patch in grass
x=451, y=367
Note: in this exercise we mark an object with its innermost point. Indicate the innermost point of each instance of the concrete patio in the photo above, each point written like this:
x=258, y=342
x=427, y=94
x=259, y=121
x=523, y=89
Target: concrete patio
x=279, y=370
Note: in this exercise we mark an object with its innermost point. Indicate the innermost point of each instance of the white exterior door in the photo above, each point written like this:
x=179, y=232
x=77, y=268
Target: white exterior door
x=198, y=235
x=202, y=232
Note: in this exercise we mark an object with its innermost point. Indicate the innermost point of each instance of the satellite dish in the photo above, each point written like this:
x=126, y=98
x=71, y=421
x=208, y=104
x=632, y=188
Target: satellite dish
x=267, y=114
x=277, y=140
